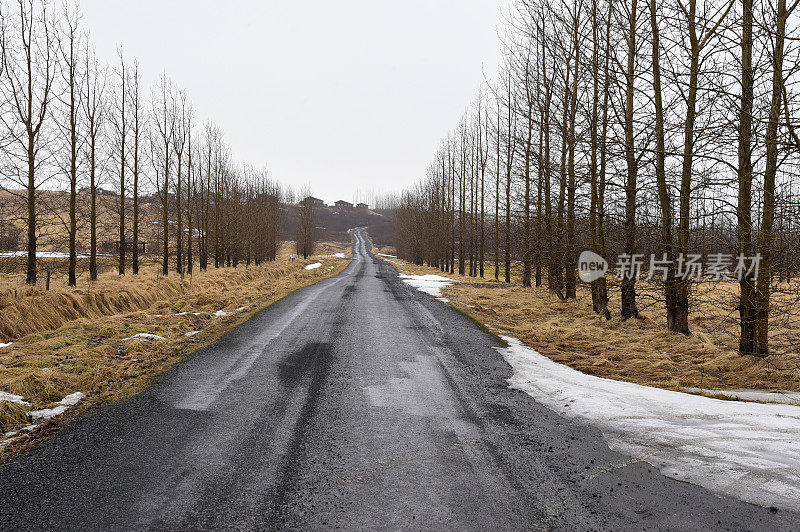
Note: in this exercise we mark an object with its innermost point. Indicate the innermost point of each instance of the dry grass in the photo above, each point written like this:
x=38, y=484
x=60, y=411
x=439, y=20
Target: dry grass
x=90, y=347
x=640, y=351
x=29, y=309
x=326, y=249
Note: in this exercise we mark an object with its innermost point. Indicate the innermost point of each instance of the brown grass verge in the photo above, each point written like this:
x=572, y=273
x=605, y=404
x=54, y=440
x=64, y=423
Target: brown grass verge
x=642, y=351
x=99, y=355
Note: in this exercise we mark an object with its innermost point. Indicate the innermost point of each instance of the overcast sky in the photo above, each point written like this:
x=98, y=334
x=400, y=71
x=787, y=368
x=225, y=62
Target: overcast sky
x=345, y=96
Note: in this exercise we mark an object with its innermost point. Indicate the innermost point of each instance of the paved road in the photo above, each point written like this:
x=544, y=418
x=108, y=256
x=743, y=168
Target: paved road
x=357, y=403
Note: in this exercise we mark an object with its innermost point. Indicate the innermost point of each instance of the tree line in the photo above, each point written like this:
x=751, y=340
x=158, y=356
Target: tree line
x=634, y=129
x=70, y=123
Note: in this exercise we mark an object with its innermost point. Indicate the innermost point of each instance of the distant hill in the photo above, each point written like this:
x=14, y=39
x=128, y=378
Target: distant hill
x=333, y=223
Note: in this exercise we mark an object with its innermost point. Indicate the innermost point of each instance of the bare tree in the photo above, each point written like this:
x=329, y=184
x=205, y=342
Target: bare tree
x=69, y=46
x=179, y=140
x=121, y=126
x=95, y=110
x=29, y=69
x=306, y=225
x=136, y=109
x=164, y=120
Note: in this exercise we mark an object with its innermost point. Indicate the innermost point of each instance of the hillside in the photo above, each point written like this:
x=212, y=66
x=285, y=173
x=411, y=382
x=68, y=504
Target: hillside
x=333, y=223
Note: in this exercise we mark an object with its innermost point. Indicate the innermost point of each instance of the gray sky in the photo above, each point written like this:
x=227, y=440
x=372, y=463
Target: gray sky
x=341, y=95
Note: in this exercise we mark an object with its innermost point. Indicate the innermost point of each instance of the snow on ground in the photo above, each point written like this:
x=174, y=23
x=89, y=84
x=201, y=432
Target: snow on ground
x=11, y=398
x=750, y=451
x=47, y=254
x=786, y=398
x=191, y=333
x=220, y=314
x=2, y=345
x=47, y=413
x=145, y=336
x=11, y=436
x=385, y=255
x=430, y=284
x=313, y=266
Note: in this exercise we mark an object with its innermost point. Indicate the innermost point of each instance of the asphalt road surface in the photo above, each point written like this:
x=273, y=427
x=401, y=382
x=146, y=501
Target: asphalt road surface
x=358, y=403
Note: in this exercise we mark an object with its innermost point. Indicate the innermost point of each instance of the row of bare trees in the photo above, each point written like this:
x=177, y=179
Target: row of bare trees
x=628, y=128
x=88, y=131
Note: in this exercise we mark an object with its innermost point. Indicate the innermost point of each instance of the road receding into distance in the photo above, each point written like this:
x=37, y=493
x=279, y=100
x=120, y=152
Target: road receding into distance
x=356, y=403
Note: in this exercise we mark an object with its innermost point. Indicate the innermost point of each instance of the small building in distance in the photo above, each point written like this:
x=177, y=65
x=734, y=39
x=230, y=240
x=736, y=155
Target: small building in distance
x=362, y=206
x=342, y=204
x=316, y=202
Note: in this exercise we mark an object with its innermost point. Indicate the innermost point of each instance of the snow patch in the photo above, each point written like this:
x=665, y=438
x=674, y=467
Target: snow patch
x=145, y=336
x=749, y=451
x=64, y=404
x=191, y=333
x=11, y=398
x=2, y=345
x=313, y=266
x=786, y=398
x=430, y=284
x=48, y=254
x=220, y=314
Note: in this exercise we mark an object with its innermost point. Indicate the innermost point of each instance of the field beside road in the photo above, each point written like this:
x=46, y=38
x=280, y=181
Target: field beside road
x=108, y=340
x=641, y=351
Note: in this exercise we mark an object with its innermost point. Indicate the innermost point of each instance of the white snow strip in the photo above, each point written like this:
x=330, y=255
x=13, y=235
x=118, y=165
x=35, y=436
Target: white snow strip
x=313, y=266
x=2, y=345
x=48, y=254
x=240, y=309
x=72, y=399
x=191, y=333
x=48, y=413
x=145, y=336
x=15, y=434
x=750, y=451
x=339, y=255
x=786, y=398
x=430, y=284
x=11, y=398
x=220, y=314
x=385, y=255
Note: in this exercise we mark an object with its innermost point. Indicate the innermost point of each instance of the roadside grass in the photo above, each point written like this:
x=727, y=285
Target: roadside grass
x=100, y=355
x=327, y=249
x=642, y=350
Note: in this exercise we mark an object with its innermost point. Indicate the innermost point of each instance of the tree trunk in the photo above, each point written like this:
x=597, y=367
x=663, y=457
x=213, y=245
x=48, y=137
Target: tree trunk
x=628, y=284
x=665, y=201
x=761, y=346
x=747, y=287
